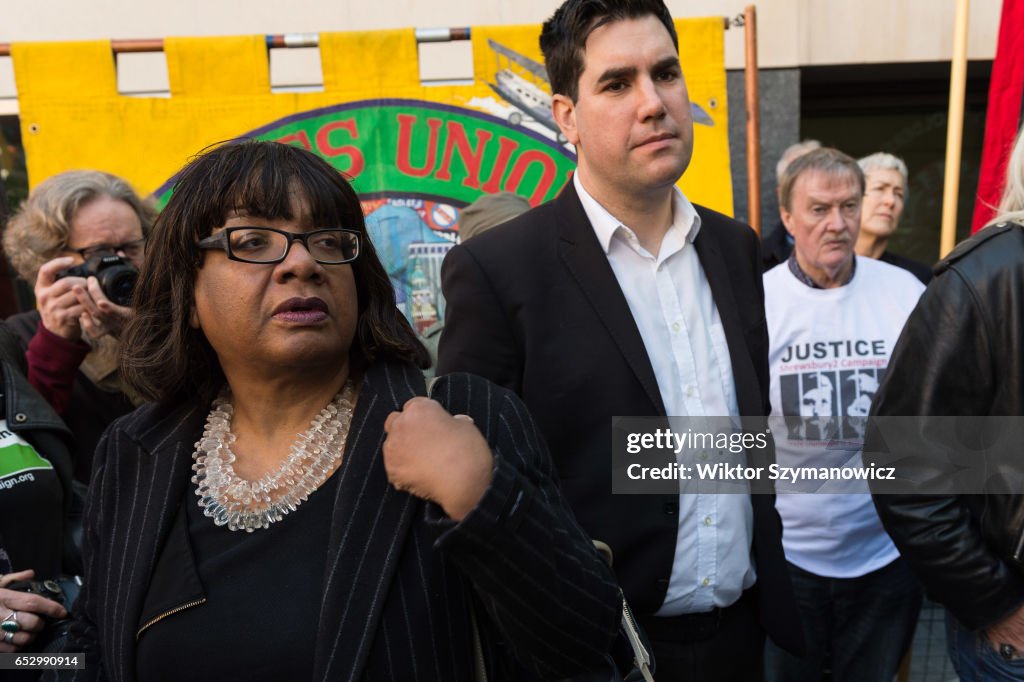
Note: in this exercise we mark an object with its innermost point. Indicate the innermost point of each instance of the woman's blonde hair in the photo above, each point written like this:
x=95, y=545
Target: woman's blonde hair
x=41, y=228
x=1011, y=206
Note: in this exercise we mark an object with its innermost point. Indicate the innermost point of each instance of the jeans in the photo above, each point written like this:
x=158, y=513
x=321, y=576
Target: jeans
x=867, y=623
x=974, y=658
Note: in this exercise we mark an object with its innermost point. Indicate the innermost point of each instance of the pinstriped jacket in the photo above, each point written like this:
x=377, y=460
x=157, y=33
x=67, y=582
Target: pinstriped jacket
x=398, y=574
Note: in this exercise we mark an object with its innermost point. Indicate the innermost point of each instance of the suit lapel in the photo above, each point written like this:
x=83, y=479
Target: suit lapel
x=161, y=473
x=583, y=256
x=715, y=270
x=368, y=530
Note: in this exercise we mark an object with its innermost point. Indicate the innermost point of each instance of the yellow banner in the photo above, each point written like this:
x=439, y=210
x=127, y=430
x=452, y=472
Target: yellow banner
x=702, y=53
x=73, y=117
x=416, y=153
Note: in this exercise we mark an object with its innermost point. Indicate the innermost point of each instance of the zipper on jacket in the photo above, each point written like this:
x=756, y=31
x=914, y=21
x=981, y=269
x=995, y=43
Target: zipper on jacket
x=479, y=664
x=641, y=659
x=1018, y=549
x=165, y=614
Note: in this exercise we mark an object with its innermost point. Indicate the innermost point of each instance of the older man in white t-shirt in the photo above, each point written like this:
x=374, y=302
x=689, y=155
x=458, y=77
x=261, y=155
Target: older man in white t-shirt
x=833, y=319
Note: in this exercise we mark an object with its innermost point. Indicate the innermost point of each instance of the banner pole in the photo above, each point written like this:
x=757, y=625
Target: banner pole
x=753, y=120
x=954, y=133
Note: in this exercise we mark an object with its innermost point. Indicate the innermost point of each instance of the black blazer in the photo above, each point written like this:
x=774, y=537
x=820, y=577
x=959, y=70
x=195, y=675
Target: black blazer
x=398, y=574
x=534, y=306
x=775, y=247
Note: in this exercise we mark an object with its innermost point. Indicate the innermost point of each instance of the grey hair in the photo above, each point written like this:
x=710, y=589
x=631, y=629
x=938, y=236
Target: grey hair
x=826, y=160
x=884, y=161
x=41, y=228
x=793, y=151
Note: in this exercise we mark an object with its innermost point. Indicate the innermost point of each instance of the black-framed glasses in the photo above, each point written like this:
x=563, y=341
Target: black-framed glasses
x=131, y=250
x=265, y=245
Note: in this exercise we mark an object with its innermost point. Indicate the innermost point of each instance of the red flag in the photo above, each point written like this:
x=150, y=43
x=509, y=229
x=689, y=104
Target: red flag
x=1005, y=95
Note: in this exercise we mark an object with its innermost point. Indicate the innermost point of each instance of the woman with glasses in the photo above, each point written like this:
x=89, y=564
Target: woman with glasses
x=69, y=343
x=221, y=545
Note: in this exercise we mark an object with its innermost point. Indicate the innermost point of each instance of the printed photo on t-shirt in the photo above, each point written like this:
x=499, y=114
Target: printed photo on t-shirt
x=830, y=404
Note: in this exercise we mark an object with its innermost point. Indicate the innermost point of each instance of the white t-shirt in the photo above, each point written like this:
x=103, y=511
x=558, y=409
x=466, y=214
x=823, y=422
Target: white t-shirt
x=829, y=349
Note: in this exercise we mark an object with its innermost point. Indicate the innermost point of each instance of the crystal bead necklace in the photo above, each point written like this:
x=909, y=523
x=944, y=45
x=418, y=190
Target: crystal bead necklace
x=239, y=504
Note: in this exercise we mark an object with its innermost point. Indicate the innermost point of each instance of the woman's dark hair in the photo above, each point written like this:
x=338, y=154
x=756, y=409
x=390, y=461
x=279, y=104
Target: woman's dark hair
x=563, y=38
x=163, y=356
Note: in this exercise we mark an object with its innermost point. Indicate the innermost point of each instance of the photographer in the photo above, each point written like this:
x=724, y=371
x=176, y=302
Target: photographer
x=78, y=237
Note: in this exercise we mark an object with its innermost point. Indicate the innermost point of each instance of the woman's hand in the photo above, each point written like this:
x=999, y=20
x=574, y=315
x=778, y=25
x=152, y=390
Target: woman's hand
x=59, y=306
x=100, y=315
x=30, y=612
x=435, y=456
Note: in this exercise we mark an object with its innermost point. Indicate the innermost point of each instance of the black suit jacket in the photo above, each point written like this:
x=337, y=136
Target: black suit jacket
x=775, y=247
x=534, y=305
x=916, y=268
x=398, y=574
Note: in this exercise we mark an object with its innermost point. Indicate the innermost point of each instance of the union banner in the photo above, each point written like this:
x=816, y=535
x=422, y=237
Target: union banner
x=415, y=153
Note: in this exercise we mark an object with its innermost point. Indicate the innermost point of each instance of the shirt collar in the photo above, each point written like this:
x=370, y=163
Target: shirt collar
x=803, y=277
x=685, y=218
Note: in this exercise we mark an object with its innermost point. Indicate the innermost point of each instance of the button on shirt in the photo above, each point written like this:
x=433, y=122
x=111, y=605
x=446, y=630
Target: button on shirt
x=671, y=303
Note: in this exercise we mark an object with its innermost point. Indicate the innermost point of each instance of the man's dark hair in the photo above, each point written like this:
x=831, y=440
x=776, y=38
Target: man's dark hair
x=163, y=357
x=564, y=36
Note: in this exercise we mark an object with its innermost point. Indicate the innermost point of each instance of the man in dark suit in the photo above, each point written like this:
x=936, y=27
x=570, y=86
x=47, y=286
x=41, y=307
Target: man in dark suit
x=620, y=297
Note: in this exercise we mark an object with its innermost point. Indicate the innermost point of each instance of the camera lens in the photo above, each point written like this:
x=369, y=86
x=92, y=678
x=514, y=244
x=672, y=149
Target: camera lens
x=118, y=283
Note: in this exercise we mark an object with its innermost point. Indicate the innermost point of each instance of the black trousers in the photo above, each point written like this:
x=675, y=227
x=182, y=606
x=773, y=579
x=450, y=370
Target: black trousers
x=726, y=645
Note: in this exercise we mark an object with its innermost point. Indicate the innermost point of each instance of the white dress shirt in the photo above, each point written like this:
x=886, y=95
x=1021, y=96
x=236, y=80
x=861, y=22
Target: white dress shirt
x=671, y=303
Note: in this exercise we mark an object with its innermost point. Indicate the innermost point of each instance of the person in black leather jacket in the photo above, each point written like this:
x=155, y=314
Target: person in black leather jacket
x=960, y=354
x=38, y=503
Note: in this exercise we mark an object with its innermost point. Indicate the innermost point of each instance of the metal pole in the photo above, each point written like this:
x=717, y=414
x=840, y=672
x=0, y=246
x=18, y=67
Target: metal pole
x=117, y=46
x=954, y=133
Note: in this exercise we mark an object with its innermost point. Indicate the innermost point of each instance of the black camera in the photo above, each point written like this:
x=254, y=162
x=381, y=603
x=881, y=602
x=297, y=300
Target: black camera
x=116, y=276
x=64, y=591
x=51, y=589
